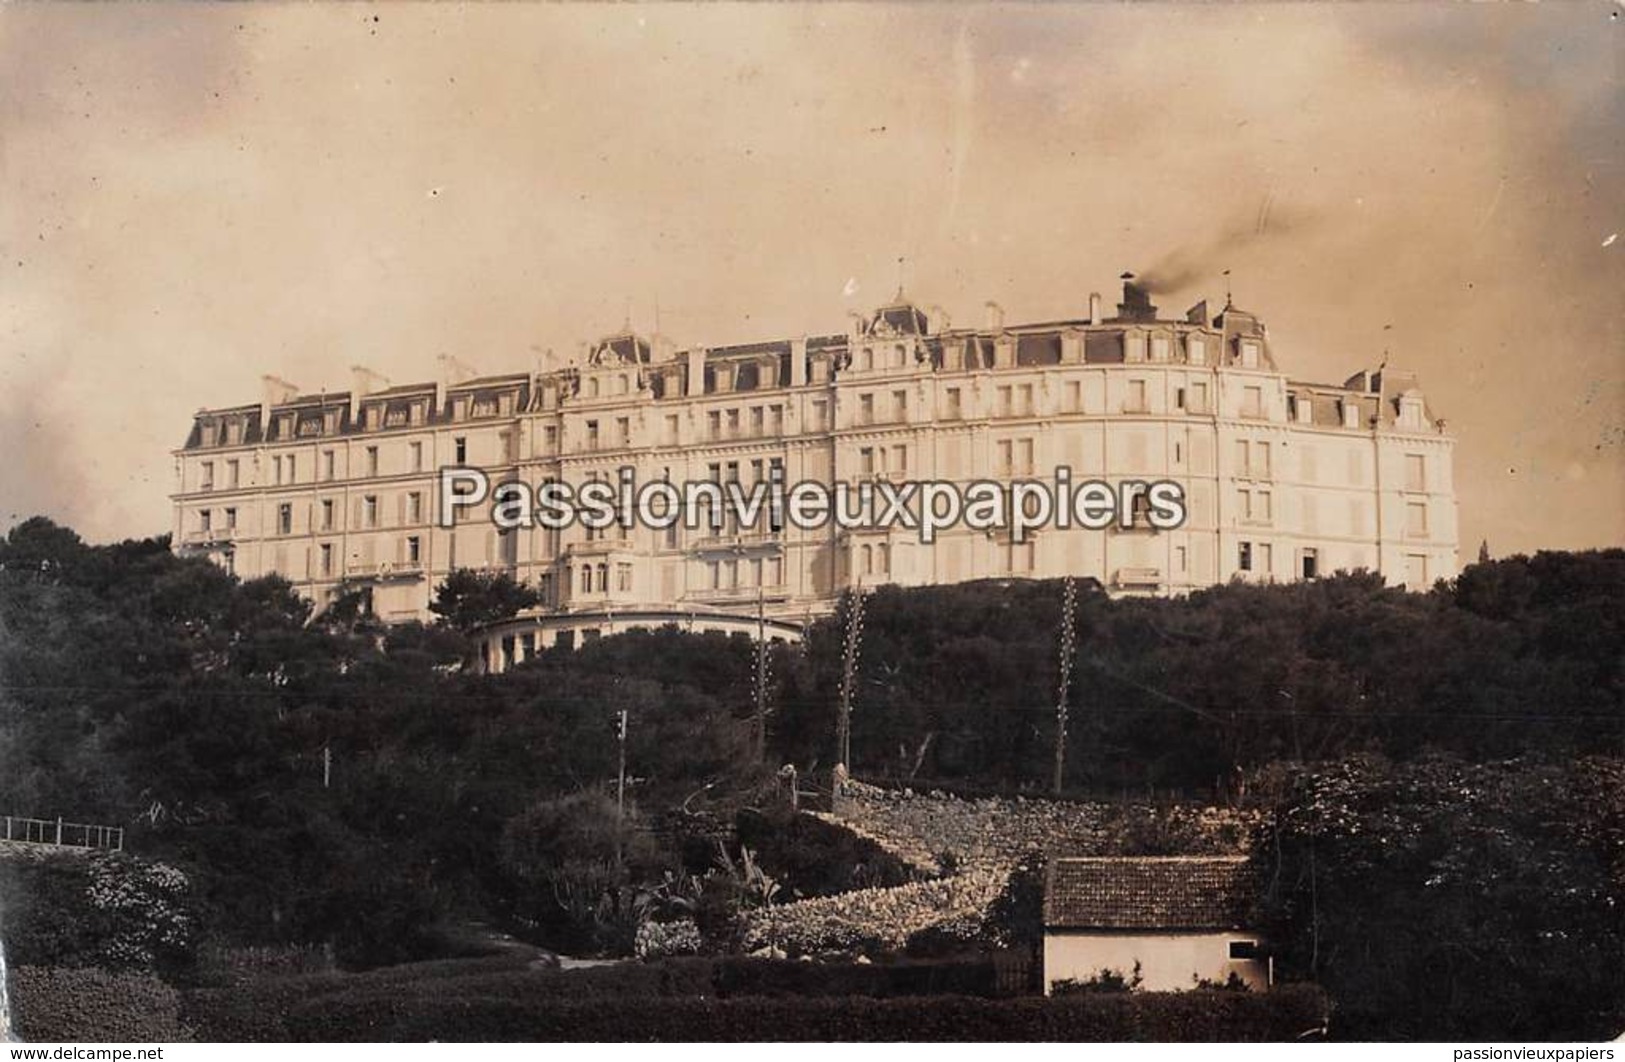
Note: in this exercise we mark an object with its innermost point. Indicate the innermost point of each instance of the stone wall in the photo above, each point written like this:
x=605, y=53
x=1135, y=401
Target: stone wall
x=934, y=828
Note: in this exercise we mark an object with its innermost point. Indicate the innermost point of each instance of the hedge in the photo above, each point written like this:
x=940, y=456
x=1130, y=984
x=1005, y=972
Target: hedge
x=1280, y=1015
x=86, y=1005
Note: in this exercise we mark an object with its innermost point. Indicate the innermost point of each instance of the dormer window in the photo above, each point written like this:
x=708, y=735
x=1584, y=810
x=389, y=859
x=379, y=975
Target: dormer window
x=1196, y=350
x=1249, y=354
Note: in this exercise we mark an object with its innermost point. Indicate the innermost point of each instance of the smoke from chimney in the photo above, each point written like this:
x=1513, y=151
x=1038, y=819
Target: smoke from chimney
x=1136, y=304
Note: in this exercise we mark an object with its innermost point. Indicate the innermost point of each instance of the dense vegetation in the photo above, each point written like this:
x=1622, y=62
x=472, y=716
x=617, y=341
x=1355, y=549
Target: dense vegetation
x=321, y=779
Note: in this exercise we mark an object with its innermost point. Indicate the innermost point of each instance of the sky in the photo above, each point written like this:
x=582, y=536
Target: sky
x=192, y=196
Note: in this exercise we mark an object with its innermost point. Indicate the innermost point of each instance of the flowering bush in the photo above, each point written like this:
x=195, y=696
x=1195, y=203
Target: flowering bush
x=144, y=911
x=660, y=939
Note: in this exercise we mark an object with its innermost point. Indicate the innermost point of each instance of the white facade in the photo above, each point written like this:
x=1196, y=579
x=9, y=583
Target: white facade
x=1167, y=962
x=1282, y=479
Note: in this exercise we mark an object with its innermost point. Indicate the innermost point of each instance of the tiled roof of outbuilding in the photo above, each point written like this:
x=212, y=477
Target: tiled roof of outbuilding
x=1163, y=892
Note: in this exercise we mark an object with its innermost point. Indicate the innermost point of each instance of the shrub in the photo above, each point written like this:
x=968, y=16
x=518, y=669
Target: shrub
x=96, y=1006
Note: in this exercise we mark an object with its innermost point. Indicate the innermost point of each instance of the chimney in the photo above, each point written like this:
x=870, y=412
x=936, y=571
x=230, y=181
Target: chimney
x=274, y=391
x=1136, y=304
x=696, y=372
x=798, y=362
x=1095, y=315
x=994, y=321
x=363, y=382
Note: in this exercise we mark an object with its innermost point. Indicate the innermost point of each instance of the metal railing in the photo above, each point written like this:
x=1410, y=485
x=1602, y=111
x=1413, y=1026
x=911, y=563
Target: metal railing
x=60, y=833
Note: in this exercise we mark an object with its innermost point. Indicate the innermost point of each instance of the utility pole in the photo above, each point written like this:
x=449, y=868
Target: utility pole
x=761, y=678
x=849, y=670
x=327, y=764
x=1069, y=646
x=620, y=783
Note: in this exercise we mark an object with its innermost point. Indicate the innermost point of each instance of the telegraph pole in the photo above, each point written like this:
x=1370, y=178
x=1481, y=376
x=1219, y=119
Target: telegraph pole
x=620, y=783
x=849, y=670
x=761, y=677
x=1069, y=646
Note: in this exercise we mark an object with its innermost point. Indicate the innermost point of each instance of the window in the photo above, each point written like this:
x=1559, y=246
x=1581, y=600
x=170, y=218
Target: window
x=284, y=519
x=592, y=435
x=756, y=420
x=1179, y=398
x=1244, y=558
x=713, y=423
x=460, y=450
x=414, y=551
x=205, y=520
x=899, y=401
x=1309, y=563
x=372, y=460
x=1416, y=472
x=1198, y=398
x=820, y=414
x=550, y=439
x=1416, y=571
x=327, y=514
x=414, y=508
x=207, y=479
x=866, y=461
x=233, y=468
x=369, y=510
x=1416, y=519
x=733, y=423
x=952, y=401
x=231, y=519
x=1244, y=949
x=1255, y=505
x=623, y=578
x=1196, y=349
x=1002, y=397
x=669, y=435
x=1135, y=403
x=1006, y=456
x=866, y=409
x=1252, y=401
x=623, y=431
x=1180, y=561
x=1024, y=400
x=326, y=555
x=417, y=456
x=777, y=414
x=586, y=578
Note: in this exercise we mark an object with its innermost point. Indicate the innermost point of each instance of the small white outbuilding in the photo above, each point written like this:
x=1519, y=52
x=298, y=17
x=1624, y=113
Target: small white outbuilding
x=1181, y=919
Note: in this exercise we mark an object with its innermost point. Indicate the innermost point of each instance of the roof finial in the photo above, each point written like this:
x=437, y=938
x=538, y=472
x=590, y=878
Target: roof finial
x=1227, y=303
x=626, y=321
x=901, y=262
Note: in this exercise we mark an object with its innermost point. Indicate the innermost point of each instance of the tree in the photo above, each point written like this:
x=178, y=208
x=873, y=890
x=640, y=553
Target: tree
x=469, y=599
x=1439, y=899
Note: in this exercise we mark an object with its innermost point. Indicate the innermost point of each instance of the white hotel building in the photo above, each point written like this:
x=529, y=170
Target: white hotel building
x=1283, y=480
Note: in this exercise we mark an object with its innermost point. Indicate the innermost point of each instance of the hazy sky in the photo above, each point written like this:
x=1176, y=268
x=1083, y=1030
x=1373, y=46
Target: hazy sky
x=192, y=196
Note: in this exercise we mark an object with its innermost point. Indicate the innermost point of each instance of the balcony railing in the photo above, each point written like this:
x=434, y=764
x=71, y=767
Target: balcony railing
x=1138, y=577
x=740, y=543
